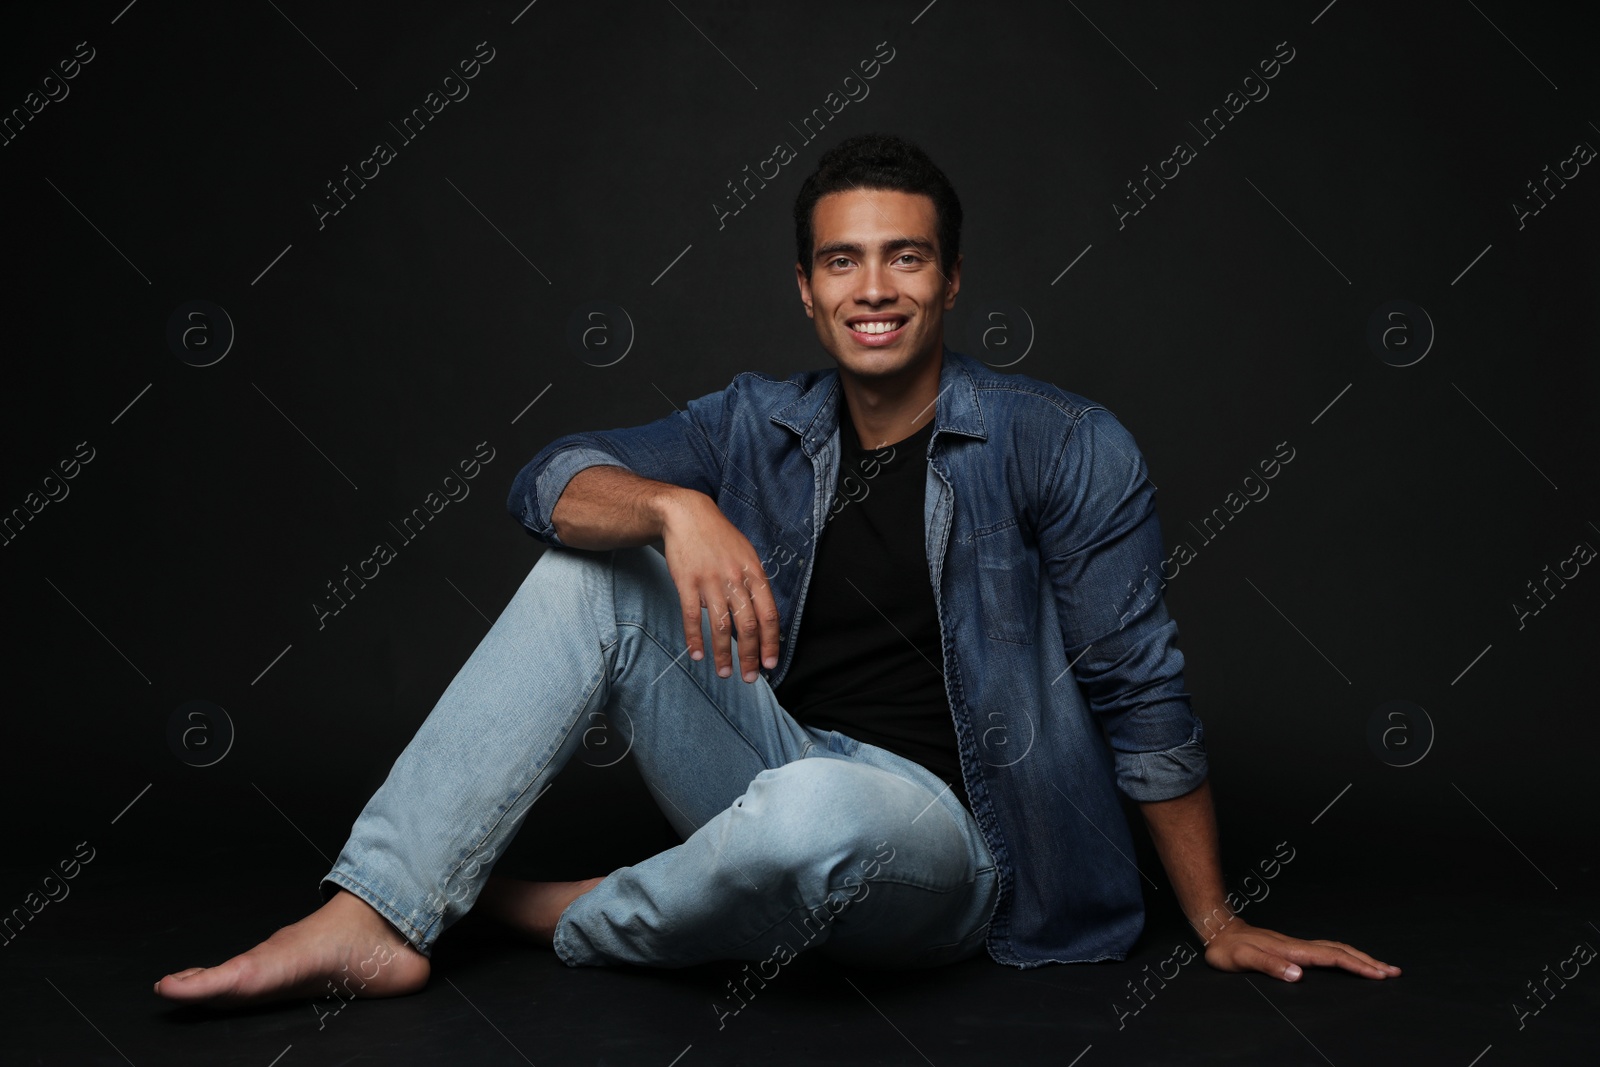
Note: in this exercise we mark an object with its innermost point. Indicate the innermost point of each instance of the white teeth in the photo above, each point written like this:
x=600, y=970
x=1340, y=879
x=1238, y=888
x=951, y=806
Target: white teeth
x=875, y=327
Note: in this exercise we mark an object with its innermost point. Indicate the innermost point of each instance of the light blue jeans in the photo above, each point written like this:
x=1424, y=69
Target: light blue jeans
x=793, y=837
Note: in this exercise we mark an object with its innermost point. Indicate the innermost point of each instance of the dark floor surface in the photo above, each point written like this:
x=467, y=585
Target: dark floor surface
x=1471, y=921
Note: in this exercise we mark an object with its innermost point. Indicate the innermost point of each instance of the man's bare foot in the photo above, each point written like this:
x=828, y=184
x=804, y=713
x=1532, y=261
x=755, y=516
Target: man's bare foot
x=532, y=907
x=344, y=946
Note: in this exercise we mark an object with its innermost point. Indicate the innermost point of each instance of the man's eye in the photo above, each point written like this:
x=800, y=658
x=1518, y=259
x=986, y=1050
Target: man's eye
x=910, y=255
x=837, y=260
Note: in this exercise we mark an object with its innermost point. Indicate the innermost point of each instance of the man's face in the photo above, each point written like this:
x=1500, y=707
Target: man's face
x=876, y=292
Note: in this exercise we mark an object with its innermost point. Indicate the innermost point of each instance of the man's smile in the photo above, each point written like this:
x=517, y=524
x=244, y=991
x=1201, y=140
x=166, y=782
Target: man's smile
x=876, y=330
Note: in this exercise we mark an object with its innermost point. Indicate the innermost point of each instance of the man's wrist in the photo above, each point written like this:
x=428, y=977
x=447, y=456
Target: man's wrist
x=670, y=505
x=1221, y=920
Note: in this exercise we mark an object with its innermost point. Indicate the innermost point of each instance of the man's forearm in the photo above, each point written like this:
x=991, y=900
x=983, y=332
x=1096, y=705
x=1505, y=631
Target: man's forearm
x=612, y=507
x=1184, y=830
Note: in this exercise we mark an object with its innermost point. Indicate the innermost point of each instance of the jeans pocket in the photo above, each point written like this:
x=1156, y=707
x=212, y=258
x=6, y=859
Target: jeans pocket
x=971, y=943
x=956, y=951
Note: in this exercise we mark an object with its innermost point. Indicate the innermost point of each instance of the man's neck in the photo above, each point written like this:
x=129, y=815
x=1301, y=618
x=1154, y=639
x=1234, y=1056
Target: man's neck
x=885, y=412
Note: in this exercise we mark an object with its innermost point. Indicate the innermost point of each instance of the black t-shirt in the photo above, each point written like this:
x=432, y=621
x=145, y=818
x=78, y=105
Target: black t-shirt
x=868, y=660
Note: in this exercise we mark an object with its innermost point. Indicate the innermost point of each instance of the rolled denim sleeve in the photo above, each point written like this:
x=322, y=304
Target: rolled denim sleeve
x=1168, y=773
x=1100, y=543
x=535, y=495
x=685, y=448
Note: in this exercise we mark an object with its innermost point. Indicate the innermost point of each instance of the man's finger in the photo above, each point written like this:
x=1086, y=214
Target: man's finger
x=1363, y=956
x=765, y=609
x=1335, y=954
x=721, y=633
x=748, y=628
x=1248, y=957
x=689, y=600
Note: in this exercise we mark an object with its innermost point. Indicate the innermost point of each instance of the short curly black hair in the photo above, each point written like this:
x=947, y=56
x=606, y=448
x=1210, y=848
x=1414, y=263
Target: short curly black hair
x=878, y=161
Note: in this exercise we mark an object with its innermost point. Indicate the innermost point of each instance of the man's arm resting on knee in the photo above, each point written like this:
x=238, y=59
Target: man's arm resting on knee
x=711, y=562
x=612, y=507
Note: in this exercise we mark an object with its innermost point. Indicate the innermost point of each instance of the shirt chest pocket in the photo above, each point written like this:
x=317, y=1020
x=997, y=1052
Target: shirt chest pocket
x=1007, y=582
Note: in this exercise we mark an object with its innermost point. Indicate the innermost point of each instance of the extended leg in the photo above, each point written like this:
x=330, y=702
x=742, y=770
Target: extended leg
x=571, y=642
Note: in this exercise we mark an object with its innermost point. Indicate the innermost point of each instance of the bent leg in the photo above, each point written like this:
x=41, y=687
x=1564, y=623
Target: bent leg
x=819, y=851
x=586, y=632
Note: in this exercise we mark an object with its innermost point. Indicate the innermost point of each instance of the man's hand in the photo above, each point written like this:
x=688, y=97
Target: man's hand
x=1238, y=946
x=1184, y=831
x=712, y=563
x=715, y=566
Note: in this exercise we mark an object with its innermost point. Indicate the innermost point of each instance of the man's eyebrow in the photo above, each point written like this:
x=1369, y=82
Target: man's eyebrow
x=833, y=248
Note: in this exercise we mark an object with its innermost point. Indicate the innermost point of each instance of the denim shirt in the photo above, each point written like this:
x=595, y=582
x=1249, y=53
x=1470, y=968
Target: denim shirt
x=1060, y=659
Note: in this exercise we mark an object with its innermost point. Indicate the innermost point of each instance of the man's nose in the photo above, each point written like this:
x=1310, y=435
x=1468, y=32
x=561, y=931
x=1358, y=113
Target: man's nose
x=875, y=284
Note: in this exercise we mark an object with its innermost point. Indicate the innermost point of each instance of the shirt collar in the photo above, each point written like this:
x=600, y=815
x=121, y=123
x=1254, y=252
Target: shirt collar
x=814, y=414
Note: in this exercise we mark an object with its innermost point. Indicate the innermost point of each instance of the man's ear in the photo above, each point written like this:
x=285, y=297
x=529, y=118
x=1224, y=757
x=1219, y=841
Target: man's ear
x=954, y=283
x=805, y=288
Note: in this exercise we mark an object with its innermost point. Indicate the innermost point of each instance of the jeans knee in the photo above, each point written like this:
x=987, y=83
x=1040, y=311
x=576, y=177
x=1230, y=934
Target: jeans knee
x=614, y=577
x=826, y=820
x=562, y=569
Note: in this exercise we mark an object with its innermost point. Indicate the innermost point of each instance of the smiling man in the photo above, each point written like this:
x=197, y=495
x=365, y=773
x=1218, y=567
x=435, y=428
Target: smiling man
x=913, y=560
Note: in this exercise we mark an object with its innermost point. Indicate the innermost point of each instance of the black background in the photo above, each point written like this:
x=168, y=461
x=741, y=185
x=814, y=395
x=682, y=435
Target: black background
x=376, y=351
